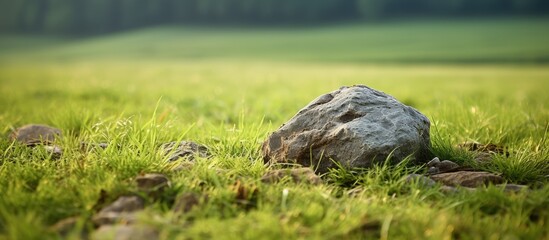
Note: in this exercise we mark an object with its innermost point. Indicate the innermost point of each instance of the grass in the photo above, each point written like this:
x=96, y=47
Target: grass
x=445, y=41
x=228, y=88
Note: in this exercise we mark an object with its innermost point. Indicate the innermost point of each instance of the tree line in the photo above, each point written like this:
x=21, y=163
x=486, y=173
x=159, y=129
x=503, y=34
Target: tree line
x=100, y=16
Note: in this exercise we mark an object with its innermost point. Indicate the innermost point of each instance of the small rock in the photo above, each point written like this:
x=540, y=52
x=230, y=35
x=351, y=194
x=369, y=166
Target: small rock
x=55, y=151
x=297, y=175
x=184, y=149
x=421, y=180
x=434, y=162
x=467, y=179
x=124, y=232
x=353, y=127
x=125, y=204
x=433, y=170
x=513, y=187
x=36, y=134
x=186, y=202
x=118, y=210
x=447, y=165
x=152, y=182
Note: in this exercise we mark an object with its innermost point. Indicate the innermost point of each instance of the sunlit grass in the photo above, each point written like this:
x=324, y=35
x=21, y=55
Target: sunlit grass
x=231, y=104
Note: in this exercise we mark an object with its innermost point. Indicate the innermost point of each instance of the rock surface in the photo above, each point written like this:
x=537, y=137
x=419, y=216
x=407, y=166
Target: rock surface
x=119, y=211
x=356, y=126
x=297, y=175
x=36, y=134
x=152, y=181
x=436, y=166
x=421, y=180
x=434, y=162
x=184, y=149
x=446, y=166
x=467, y=179
x=153, y=184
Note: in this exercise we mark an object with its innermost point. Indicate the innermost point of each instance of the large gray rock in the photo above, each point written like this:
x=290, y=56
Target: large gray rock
x=355, y=126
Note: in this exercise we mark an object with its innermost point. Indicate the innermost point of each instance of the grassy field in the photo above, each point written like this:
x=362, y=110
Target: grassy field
x=477, y=80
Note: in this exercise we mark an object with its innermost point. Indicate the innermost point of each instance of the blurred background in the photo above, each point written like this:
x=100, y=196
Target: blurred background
x=351, y=31
x=103, y=16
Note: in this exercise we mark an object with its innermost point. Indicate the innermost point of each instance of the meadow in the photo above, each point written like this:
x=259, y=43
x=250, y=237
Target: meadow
x=482, y=80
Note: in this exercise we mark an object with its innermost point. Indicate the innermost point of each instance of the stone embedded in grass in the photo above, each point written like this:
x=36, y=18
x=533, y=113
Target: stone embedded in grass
x=152, y=181
x=352, y=127
x=434, y=162
x=119, y=211
x=184, y=149
x=447, y=165
x=436, y=166
x=467, y=179
x=433, y=171
x=125, y=232
x=36, y=134
x=421, y=180
x=186, y=202
x=125, y=204
x=153, y=184
x=55, y=151
x=297, y=175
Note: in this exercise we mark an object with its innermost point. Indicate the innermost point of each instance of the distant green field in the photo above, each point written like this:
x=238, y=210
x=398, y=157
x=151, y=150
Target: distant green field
x=477, y=80
x=504, y=40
